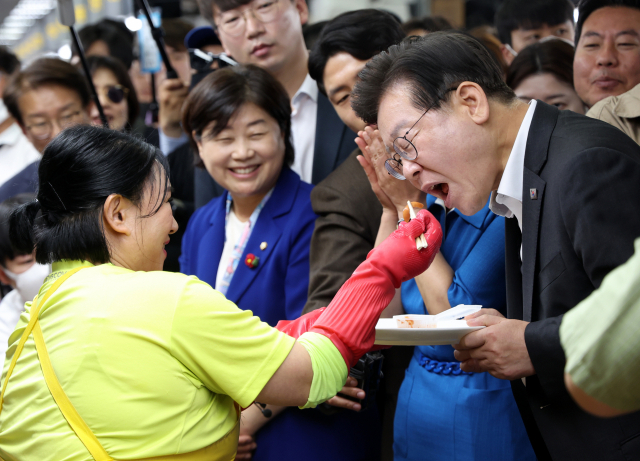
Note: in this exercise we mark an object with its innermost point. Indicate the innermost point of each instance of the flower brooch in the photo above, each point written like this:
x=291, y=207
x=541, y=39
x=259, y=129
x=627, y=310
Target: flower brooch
x=252, y=261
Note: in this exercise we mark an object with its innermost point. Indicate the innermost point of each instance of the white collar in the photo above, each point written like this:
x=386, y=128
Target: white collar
x=11, y=135
x=507, y=201
x=309, y=87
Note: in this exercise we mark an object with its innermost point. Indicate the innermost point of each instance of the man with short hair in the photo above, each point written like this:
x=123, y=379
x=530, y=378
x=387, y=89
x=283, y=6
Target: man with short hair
x=607, y=59
x=607, y=63
x=571, y=183
x=523, y=22
x=16, y=152
x=44, y=98
x=268, y=33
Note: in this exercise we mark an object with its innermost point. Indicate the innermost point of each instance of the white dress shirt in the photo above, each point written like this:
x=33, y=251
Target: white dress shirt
x=303, y=127
x=16, y=152
x=507, y=201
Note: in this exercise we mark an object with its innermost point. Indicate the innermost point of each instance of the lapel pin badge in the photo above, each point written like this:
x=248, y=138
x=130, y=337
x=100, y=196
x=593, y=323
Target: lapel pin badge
x=263, y=246
x=534, y=194
x=252, y=261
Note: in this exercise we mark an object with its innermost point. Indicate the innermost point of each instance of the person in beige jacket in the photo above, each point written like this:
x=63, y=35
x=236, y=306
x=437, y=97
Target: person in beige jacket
x=621, y=111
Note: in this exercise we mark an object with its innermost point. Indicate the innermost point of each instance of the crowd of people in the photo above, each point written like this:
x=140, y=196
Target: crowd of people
x=235, y=233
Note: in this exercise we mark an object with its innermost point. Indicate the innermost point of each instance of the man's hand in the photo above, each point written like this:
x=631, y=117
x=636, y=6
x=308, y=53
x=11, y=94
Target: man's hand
x=351, y=390
x=392, y=193
x=499, y=348
x=246, y=445
x=172, y=95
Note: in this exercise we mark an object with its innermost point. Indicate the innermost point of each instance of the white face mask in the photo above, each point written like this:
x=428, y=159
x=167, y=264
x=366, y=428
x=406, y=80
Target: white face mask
x=4, y=112
x=28, y=283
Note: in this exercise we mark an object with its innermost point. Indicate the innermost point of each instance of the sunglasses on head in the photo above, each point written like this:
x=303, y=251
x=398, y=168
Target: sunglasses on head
x=116, y=93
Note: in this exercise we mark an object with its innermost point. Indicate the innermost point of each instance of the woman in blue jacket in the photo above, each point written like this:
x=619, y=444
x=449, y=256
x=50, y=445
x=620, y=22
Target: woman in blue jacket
x=252, y=243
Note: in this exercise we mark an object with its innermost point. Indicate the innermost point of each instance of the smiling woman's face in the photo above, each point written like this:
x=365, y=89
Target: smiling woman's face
x=246, y=157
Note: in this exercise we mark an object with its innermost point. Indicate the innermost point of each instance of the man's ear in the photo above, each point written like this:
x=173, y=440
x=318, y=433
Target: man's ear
x=119, y=215
x=303, y=10
x=471, y=99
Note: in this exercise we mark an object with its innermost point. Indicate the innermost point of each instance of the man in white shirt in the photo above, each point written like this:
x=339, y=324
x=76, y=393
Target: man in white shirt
x=571, y=183
x=44, y=98
x=268, y=33
x=16, y=152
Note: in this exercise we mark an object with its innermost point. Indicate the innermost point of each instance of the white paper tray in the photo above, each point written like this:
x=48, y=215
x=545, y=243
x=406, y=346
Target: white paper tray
x=449, y=332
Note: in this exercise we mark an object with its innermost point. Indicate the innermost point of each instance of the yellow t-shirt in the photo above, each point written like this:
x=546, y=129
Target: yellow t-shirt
x=152, y=361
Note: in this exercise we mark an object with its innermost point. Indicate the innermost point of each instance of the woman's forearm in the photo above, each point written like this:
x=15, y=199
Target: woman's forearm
x=253, y=420
x=434, y=285
x=388, y=224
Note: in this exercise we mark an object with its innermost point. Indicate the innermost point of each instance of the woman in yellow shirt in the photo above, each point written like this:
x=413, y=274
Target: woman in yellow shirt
x=115, y=359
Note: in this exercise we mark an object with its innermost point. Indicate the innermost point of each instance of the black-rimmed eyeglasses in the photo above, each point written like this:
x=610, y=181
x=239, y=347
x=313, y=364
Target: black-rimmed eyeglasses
x=405, y=149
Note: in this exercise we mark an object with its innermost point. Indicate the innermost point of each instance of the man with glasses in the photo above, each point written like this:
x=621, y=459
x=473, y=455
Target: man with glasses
x=44, y=98
x=571, y=183
x=268, y=33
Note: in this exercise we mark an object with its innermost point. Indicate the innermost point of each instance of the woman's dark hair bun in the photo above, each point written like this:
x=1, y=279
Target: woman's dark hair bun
x=79, y=169
x=21, y=222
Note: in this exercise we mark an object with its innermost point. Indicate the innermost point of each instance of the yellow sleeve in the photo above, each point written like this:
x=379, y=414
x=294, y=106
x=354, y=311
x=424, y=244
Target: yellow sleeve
x=329, y=370
x=230, y=350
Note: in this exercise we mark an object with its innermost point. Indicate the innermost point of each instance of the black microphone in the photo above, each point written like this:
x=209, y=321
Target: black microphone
x=263, y=409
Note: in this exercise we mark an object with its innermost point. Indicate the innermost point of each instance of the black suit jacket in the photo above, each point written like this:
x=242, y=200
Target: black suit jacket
x=333, y=144
x=25, y=181
x=579, y=225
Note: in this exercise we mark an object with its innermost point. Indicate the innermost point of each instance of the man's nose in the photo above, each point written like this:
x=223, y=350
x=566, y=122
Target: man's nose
x=56, y=128
x=410, y=169
x=255, y=27
x=608, y=55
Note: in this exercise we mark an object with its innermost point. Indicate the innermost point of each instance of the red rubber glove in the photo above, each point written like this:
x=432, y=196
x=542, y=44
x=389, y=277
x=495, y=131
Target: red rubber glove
x=350, y=320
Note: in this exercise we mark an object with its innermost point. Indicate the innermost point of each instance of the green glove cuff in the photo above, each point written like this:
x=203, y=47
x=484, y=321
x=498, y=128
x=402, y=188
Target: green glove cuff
x=329, y=370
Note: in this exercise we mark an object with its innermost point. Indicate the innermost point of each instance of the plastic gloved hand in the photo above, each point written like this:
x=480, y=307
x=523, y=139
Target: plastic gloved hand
x=295, y=328
x=350, y=320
